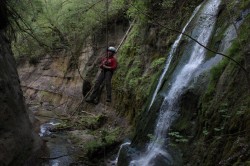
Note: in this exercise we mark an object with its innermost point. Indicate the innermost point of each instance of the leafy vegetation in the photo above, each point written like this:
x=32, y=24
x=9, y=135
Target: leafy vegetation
x=225, y=104
x=46, y=27
x=177, y=137
x=51, y=26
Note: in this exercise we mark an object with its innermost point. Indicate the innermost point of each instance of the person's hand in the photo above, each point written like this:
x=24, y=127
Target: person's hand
x=106, y=67
x=107, y=63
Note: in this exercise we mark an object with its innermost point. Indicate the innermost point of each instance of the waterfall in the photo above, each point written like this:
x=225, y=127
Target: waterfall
x=169, y=109
x=170, y=56
x=122, y=145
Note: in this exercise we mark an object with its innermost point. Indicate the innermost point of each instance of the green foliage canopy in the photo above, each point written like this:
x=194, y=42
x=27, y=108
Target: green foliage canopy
x=46, y=26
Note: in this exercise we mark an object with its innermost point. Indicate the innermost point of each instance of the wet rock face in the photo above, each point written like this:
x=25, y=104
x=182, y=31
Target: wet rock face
x=15, y=129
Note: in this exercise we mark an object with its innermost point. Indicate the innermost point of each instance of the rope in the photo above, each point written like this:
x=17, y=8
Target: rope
x=118, y=47
x=125, y=36
x=107, y=45
x=107, y=41
x=107, y=17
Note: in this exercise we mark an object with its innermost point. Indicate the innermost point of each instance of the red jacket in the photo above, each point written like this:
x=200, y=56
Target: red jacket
x=110, y=62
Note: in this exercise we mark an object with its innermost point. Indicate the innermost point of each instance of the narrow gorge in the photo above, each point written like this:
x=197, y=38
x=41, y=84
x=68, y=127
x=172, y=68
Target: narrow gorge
x=180, y=93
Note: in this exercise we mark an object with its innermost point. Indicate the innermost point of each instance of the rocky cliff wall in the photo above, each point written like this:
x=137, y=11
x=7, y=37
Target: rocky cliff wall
x=16, y=136
x=212, y=128
x=58, y=83
x=214, y=121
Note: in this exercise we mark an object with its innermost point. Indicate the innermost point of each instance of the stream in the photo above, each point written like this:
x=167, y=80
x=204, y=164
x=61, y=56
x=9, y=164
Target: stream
x=61, y=150
x=59, y=147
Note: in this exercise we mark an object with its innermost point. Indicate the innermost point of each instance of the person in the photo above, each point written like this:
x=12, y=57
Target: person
x=108, y=66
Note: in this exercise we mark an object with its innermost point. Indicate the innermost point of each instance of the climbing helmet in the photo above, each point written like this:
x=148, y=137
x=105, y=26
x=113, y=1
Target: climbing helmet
x=112, y=49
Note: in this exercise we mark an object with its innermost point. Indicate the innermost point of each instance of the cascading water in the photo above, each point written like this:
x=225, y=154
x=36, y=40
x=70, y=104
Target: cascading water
x=122, y=145
x=170, y=56
x=169, y=109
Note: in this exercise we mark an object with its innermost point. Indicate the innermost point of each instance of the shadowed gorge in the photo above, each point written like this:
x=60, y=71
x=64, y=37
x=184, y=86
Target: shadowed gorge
x=180, y=92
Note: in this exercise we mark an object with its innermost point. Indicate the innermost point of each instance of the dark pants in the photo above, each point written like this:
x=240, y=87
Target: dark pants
x=104, y=75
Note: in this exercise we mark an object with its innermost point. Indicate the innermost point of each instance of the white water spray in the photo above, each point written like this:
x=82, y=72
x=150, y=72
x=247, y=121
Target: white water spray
x=170, y=56
x=169, y=109
x=122, y=145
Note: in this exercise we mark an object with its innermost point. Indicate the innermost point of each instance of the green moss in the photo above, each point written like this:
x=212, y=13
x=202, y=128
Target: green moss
x=157, y=63
x=247, y=163
x=244, y=4
x=45, y=94
x=132, y=81
x=112, y=135
x=214, y=78
x=90, y=122
x=92, y=146
x=177, y=137
x=221, y=122
x=135, y=7
x=105, y=138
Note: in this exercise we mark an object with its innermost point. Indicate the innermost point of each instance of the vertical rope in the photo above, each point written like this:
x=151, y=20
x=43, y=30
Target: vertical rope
x=107, y=10
x=107, y=16
x=107, y=44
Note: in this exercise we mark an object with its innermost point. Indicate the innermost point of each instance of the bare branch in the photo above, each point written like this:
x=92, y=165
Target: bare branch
x=16, y=17
x=57, y=157
x=85, y=10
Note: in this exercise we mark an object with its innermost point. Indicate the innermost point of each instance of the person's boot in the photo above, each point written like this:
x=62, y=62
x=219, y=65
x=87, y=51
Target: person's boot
x=108, y=99
x=95, y=101
x=89, y=99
